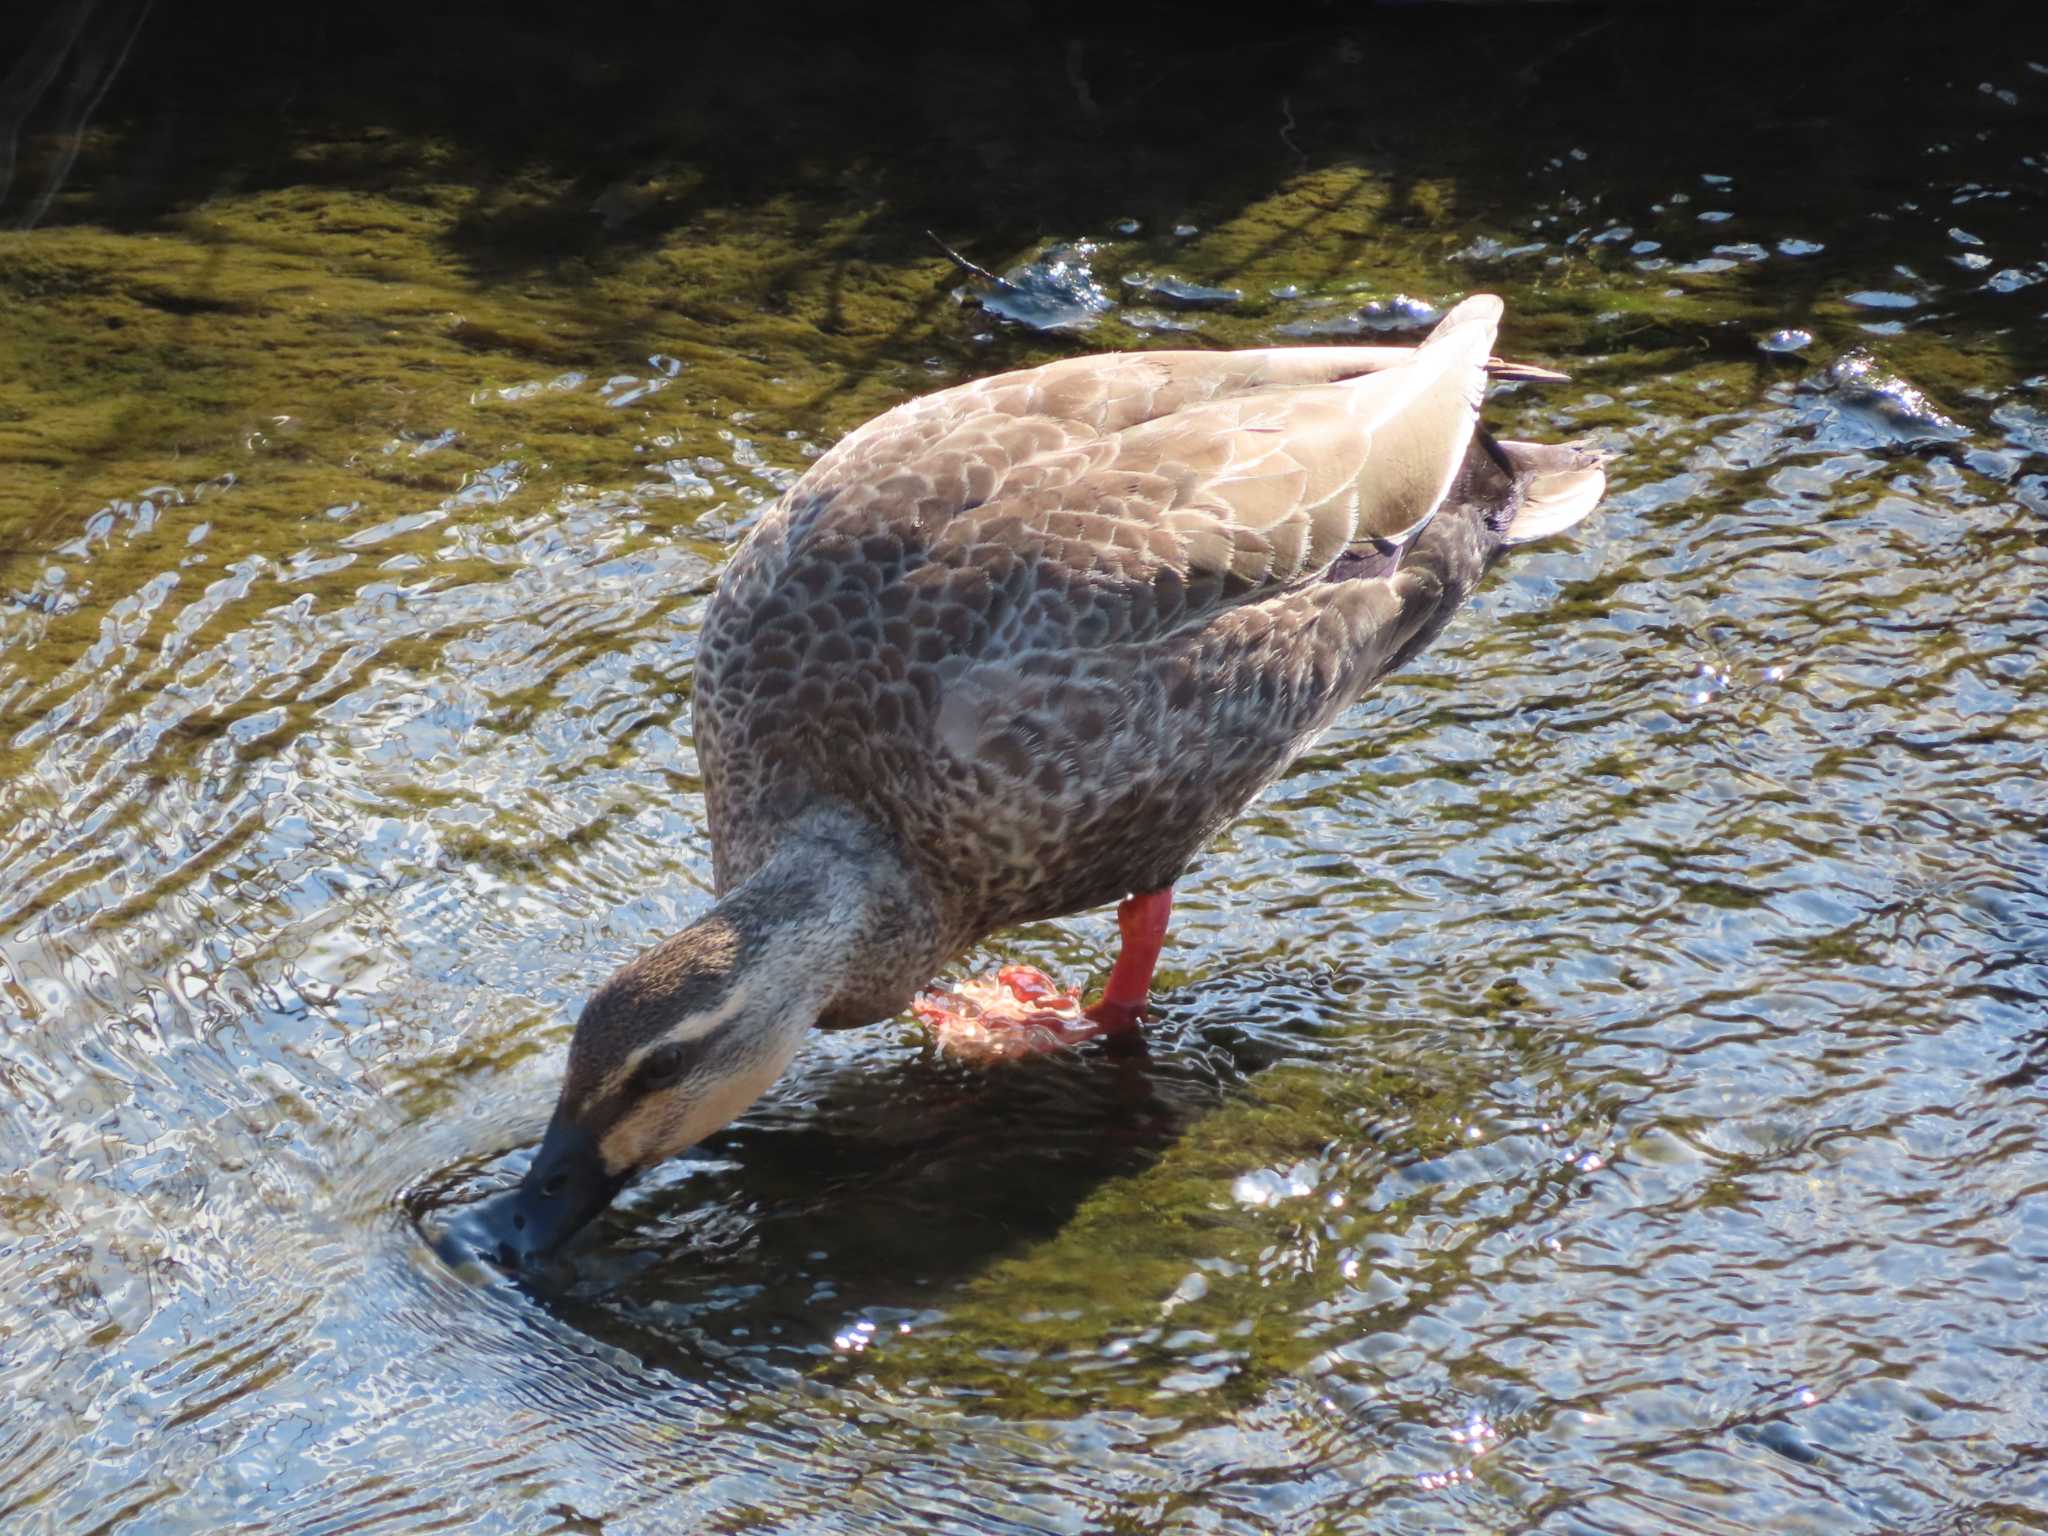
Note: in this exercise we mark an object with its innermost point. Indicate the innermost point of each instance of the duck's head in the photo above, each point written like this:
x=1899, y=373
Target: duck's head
x=669, y=1050
x=679, y=1042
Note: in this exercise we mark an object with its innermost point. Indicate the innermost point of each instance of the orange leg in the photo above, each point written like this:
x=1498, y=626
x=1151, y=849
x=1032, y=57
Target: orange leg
x=1021, y=1012
x=1141, y=920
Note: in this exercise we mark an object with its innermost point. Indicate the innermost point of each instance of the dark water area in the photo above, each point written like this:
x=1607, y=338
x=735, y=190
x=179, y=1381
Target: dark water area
x=1600, y=1089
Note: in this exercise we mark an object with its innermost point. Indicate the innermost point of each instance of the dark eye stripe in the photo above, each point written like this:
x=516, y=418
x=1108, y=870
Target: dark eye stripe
x=713, y=1049
x=724, y=1048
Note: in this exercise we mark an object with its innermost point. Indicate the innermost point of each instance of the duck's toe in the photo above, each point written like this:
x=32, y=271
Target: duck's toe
x=1019, y=1011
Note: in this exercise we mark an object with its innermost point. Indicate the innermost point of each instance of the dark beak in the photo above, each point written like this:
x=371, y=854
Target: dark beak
x=566, y=1186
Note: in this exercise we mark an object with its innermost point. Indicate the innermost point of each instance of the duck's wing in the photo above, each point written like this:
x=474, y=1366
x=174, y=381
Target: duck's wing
x=1292, y=475
x=1112, y=392
x=1140, y=491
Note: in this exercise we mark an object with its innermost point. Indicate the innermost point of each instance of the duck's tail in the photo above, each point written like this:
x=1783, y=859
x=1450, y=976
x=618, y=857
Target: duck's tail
x=1504, y=494
x=1549, y=486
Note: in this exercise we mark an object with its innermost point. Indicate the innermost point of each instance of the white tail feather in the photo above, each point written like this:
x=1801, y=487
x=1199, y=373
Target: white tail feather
x=1554, y=502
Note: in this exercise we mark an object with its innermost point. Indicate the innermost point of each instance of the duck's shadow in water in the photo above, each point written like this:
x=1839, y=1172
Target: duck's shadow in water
x=872, y=1186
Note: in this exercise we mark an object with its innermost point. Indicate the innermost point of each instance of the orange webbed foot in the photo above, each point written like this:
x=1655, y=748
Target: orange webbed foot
x=1017, y=1012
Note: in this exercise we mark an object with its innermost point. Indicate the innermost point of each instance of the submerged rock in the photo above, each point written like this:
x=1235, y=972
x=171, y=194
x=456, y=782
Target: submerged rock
x=1486, y=248
x=1160, y=320
x=1789, y=340
x=1399, y=313
x=1178, y=292
x=1057, y=292
x=1856, y=403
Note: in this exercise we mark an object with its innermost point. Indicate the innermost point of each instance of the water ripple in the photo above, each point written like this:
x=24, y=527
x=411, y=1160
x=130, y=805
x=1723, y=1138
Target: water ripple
x=1600, y=1088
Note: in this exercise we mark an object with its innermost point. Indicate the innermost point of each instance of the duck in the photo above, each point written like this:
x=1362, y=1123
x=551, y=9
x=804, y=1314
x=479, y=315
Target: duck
x=1015, y=650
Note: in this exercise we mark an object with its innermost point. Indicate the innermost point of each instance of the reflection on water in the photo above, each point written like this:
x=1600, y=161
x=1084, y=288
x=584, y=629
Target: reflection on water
x=1600, y=1089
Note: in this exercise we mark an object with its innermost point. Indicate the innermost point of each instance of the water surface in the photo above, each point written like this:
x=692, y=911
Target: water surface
x=1600, y=1089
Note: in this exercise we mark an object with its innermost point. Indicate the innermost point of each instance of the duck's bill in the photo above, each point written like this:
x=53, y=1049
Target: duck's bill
x=566, y=1188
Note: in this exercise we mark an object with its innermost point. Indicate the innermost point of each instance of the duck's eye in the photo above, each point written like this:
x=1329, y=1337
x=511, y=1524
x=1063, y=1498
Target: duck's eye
x=661, y=1064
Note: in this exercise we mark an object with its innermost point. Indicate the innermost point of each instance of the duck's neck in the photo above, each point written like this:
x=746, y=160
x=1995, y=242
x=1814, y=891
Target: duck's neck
x=832, y=921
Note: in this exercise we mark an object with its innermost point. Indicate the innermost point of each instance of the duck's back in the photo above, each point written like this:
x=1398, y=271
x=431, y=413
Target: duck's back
x=1050, y=630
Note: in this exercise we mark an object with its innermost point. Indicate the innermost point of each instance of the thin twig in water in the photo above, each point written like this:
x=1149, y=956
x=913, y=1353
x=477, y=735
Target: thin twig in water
x=963, y=263
x=1287, y=128
x=92, y=78
x=1076, y=52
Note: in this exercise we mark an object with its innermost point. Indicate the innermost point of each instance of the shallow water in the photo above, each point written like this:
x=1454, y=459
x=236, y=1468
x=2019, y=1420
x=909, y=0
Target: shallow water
x=1600, y=1089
